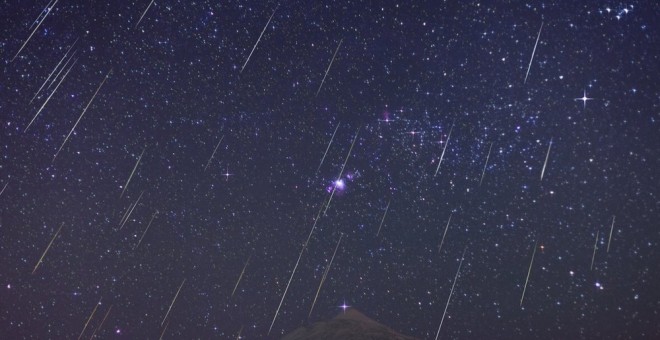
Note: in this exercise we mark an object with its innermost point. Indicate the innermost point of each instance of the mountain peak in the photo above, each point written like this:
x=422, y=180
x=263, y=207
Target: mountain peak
x=350, y=324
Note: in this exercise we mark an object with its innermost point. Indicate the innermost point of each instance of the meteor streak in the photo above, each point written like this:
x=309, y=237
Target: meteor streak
x=35, y=29
x=383, y=219
x=328, y=148
x=238, y=337
x=610, y=240
x=529, y=271
x=102, y=322
x=130, y=211
x=257, y=43
x=241, y=276
x=163, y=332
x=89, y=319
x=3, y=188
x=334, y=187
x=546, y=159
x=285, y=290
x=533, y=52
x=593, y=257
x=48, y=247
x=52, y=81
x=325, y=274
x=145, y=230
x=132, y=172
x=445, y=233
x=81, y=115
x=328, y=69
x=486, y=164
x=450, y=293
x=443, y=150
x=51, y=94
x=53, y=71
x=294, y=271
x=213, y=154
x=173, y=300
x=41, y=13
x=143, y=13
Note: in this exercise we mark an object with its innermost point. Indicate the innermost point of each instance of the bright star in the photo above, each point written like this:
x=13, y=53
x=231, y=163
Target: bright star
x=227, y=174
x=584, y=99
x=344, y=306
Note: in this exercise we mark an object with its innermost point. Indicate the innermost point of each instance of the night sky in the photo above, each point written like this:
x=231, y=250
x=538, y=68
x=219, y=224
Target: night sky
x=205, y=140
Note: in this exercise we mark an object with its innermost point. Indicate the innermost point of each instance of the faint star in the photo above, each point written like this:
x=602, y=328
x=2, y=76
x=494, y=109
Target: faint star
x=584, y=99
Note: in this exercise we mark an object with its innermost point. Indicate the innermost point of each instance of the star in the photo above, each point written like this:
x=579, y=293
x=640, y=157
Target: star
x=227, y=174
x=584, y=99
x=344, y=306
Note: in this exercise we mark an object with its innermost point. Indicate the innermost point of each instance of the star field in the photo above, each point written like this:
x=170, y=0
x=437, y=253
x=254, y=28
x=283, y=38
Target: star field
x=192, y=151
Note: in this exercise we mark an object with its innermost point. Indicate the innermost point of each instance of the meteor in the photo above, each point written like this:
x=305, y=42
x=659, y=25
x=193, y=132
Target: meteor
x=51, y=94
x=486, y=164
x=163, y=332
x=241, y=276
x=102, y=322
x=257, y=43
x=48, y=247
x=173, y=300
x=533, y=52
x=384, y=214
x=334, y=187
x=132, y=172
x=53, y=71
x=546, y=159
x=143, y=13
x=450, y=293
x=3, y=188
x=213, y=154
x=325, y=274
x=328, y=148
x=89, y=319
x=610, y=240
x=445, y=233
x=130, y=211
x=328, y=69
x=81, y=115
x=145, y=230
x=48, y=10
x=593, y=257
x=529, y=271
x=443, y=150
x=294, y=271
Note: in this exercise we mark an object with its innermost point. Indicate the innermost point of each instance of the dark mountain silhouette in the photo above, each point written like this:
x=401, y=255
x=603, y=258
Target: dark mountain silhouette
x=351, y=325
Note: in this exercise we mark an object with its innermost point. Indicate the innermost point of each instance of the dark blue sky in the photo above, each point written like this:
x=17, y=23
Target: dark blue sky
x=404, y=75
